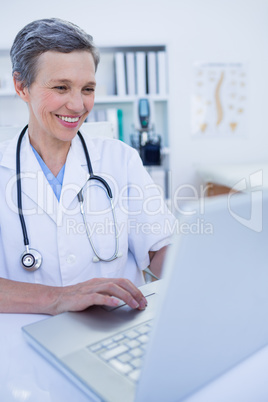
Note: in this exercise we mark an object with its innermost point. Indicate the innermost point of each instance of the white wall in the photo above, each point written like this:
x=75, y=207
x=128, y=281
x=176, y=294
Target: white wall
x=194, y=30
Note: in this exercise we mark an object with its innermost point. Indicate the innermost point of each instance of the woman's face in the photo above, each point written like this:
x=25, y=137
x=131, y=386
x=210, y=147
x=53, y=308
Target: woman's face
x=62, y=94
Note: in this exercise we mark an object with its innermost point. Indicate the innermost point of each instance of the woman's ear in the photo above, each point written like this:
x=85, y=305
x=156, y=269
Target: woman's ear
x=20, y=88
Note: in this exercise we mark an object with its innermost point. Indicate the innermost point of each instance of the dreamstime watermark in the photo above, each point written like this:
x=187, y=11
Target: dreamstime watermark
x=255, y=204
x=133, y=226
x=131, y=201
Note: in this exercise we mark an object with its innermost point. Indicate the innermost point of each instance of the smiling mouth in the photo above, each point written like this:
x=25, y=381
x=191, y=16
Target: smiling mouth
x=68, y=119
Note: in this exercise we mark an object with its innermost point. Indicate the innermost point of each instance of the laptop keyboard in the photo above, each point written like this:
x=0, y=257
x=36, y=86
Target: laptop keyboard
x=124, y=351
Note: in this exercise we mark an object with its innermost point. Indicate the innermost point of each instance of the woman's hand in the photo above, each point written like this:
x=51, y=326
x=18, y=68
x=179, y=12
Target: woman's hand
x=20, y=297
x=99, y=291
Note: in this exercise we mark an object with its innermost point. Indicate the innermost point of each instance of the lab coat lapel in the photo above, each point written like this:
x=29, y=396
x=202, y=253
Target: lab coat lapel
x=76, y=170
x=75, y=176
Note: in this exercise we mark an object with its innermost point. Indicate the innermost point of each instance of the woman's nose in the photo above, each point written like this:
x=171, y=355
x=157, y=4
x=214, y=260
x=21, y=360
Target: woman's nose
x=75, y=102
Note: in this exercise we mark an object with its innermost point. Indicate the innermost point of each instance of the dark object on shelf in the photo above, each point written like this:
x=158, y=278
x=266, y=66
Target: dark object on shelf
x=150, y=152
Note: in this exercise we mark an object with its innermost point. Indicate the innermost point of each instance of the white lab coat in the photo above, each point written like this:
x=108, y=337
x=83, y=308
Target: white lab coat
x=56, y=229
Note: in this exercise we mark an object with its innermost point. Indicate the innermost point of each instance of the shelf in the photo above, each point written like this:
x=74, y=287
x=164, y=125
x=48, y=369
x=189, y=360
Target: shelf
x=129, y=98
x=134, y=48
x=105, y=99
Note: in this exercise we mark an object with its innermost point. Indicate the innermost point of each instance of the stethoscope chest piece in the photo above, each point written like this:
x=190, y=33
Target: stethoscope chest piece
x=31, y=260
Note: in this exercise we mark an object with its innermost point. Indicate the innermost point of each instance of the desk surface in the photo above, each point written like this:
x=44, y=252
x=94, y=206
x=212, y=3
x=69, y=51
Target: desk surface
x=25, y=376
x=28, y=377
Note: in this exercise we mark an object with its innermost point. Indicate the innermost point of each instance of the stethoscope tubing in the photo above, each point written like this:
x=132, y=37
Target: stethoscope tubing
x=99, y=258
x=19, y=200
x=80, y=199
x=90, y=170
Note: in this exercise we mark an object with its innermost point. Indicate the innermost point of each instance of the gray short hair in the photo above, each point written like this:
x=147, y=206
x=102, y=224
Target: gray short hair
x=41, y=36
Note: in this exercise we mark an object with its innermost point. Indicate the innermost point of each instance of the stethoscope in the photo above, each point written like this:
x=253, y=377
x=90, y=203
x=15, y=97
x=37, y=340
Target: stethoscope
x=31, y=259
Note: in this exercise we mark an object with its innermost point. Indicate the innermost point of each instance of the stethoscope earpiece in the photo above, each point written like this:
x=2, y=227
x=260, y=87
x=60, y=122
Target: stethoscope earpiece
x=31, y=259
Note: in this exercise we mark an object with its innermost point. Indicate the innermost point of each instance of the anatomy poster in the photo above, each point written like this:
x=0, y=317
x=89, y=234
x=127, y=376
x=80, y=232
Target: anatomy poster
x=219, y=100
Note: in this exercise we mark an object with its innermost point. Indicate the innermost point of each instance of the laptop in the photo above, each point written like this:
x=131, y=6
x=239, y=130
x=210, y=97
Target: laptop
x=207, y=314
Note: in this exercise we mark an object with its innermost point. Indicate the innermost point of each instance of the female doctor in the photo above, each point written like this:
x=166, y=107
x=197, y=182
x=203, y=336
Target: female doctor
x=79, y=217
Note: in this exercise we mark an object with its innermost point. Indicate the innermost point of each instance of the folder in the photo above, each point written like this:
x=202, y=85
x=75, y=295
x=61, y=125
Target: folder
x=120, y=124
x=105, y=76
x=101, y=114
x=131, y=76
x=141, y=73
x=113, y=119
x=162, y=73
x=120, y=74
x=152, y=76
x=92, y=117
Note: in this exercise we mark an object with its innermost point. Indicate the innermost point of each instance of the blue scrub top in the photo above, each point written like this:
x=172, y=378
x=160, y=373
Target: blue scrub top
x=55, y=182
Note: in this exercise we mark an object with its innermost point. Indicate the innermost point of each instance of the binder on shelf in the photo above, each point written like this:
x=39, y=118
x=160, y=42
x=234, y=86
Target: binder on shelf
x=106, y=114
x=162, y=73
x=120, y=124
x=97, y=115
x=91, y=118
x=151, y=73
x=141, y=73
x=105, y=76
x=131, y=76
x=111, y=114
x=101, y=115
x=120, y=74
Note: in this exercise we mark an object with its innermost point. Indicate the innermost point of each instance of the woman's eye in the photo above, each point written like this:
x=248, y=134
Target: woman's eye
x=89, y=89
x=60, y=88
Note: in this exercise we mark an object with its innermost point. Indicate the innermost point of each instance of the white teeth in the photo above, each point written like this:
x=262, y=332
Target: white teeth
x=69, y=119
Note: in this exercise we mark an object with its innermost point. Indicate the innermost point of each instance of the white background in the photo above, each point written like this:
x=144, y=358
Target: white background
x=194, y=30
